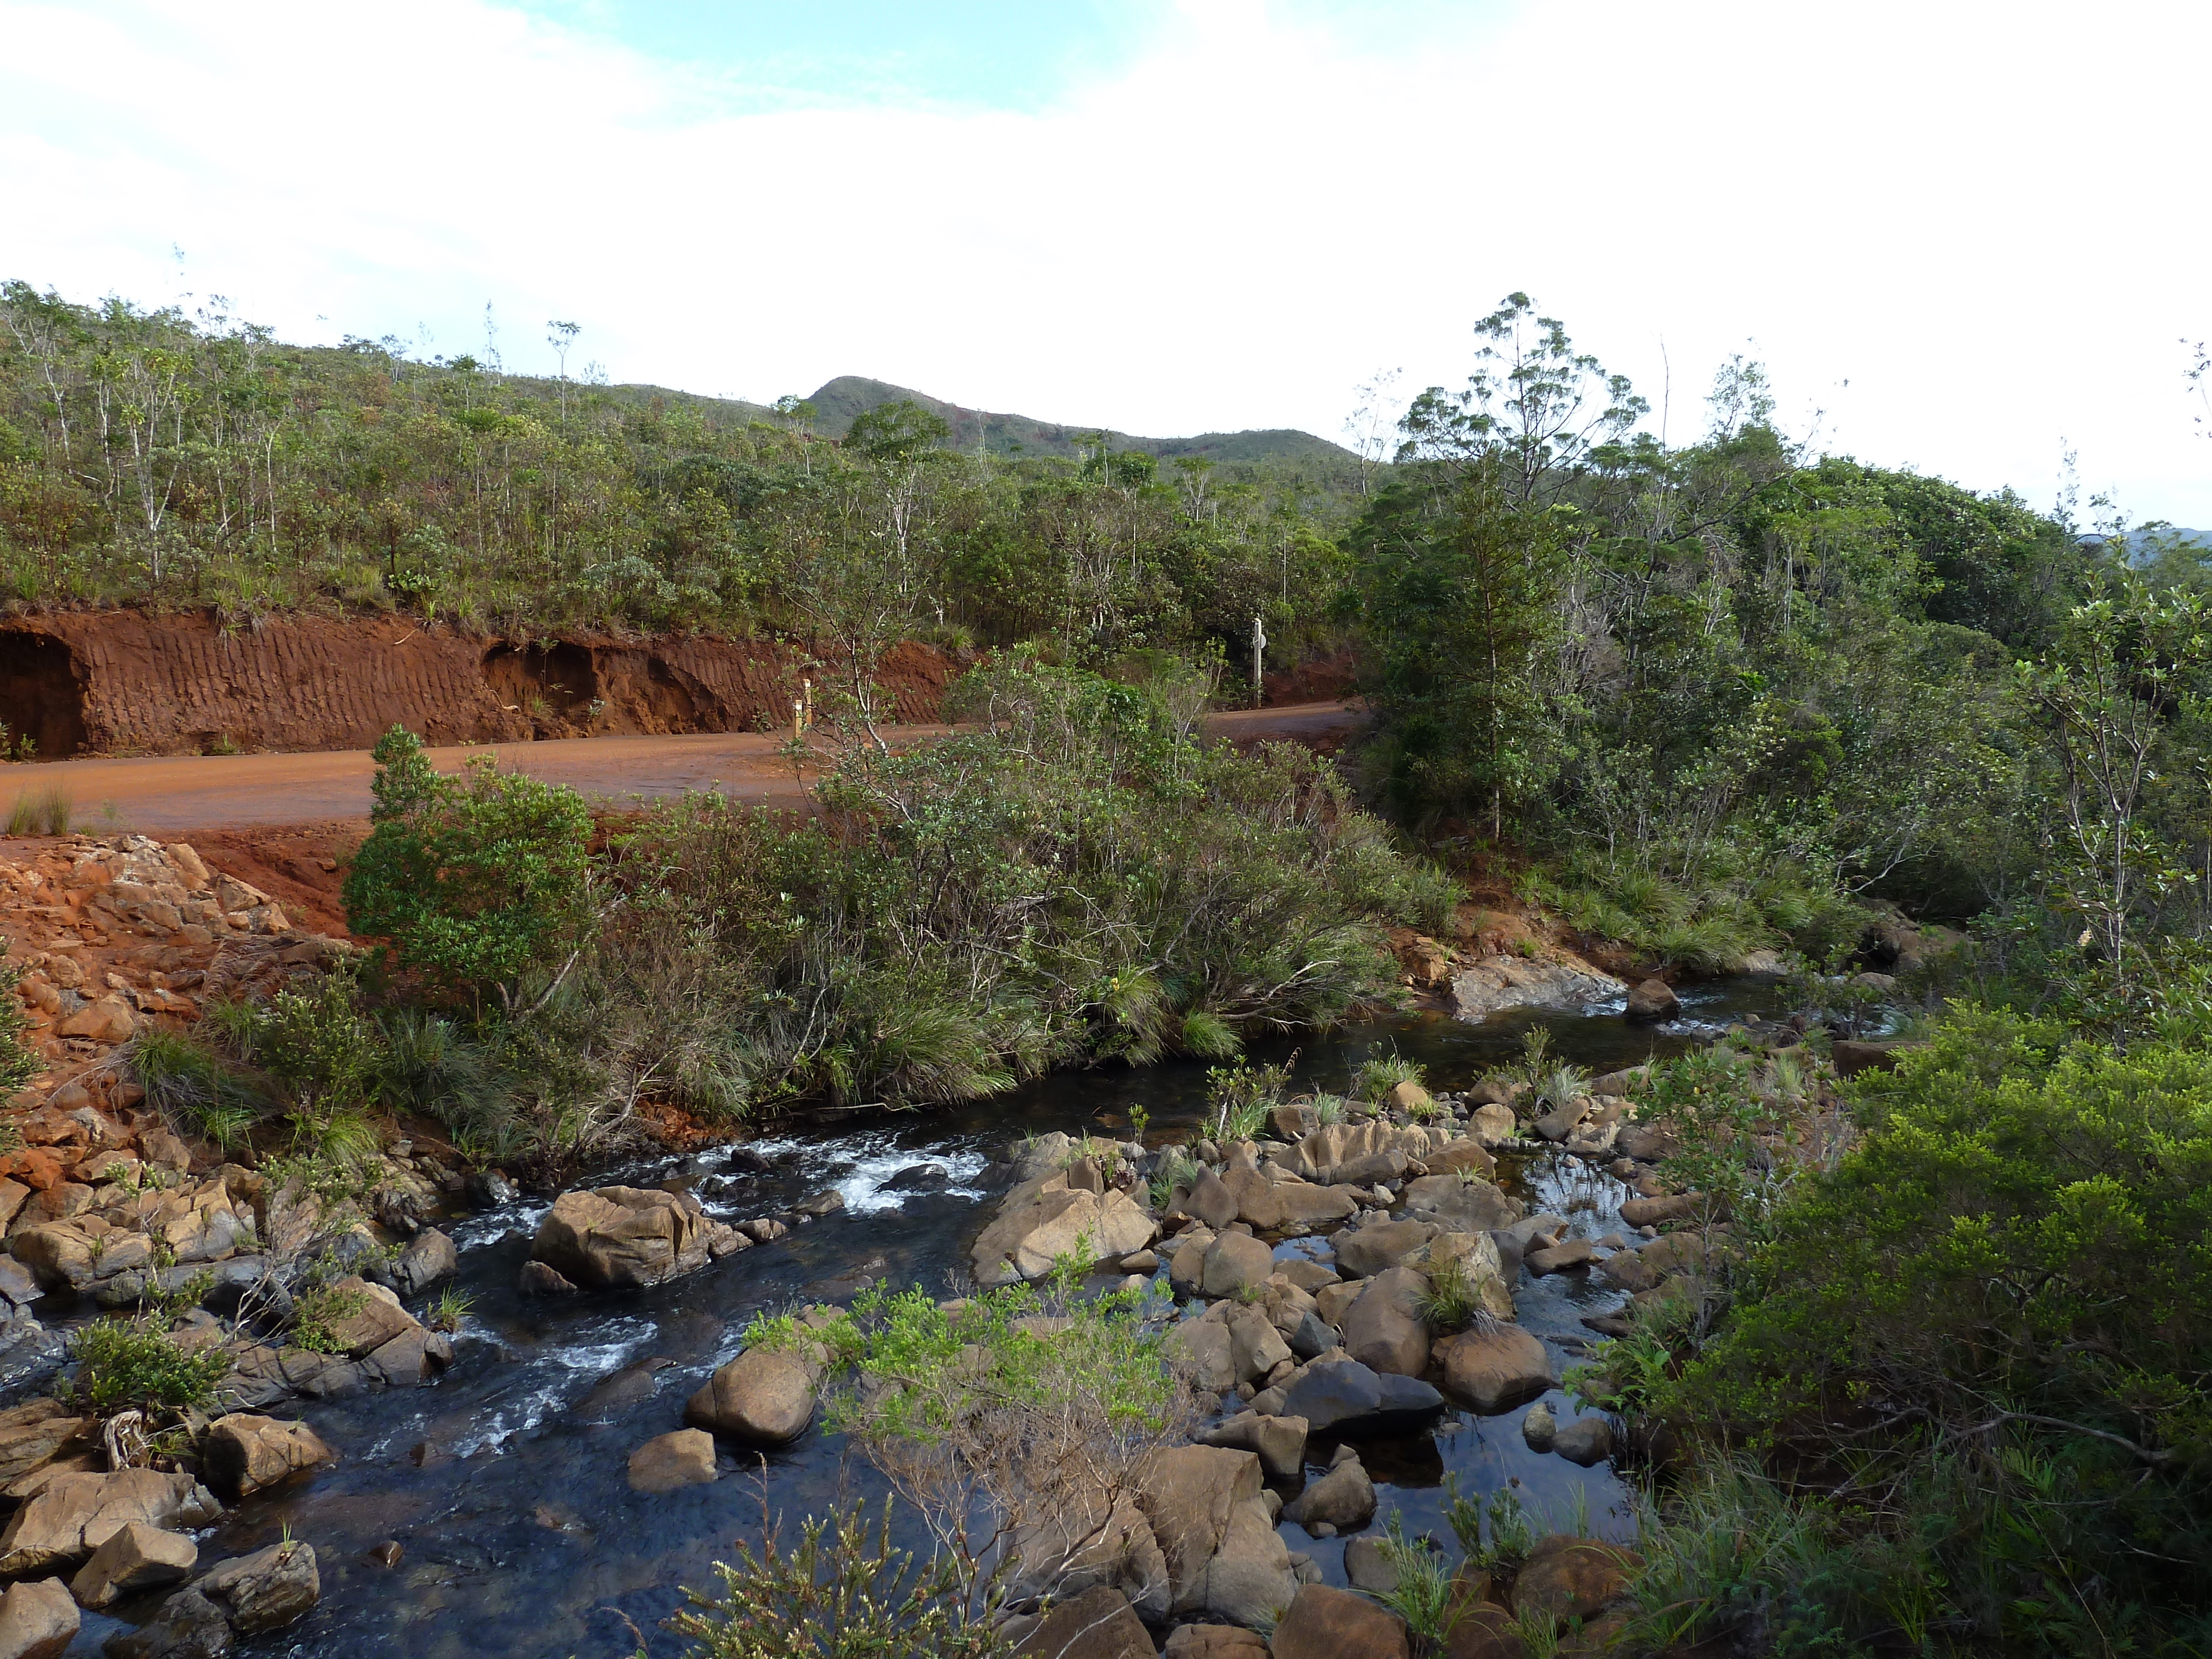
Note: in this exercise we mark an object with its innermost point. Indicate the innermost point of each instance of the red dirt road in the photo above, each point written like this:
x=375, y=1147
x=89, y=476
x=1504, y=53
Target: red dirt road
x=227, y=792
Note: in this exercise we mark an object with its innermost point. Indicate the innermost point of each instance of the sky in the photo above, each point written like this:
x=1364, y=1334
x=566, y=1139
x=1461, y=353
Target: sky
x=1966, y=238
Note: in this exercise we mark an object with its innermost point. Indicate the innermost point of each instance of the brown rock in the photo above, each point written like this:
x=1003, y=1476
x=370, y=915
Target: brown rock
x=376, y=1317
x=1852, y=1058
x=670, y=1461
x=621, y=1237
x=1382, y=1329
x=188, y=1626
x=138, y=1557
x=1322, y=1623
x=1409, y=1096
x=1568, y=1253
x=37, y=1619
x=108, y=1020
x=1214, y=1642
x=1572, y=1578
x=1485, y=1632
x=1654, y=999
x=1380, y=1244
x=265, y=1590
x=33, y=1433
x=1098, y=1624
x=1652, y=1212
x=1233, y=1262
x=764, y=1396
x=538, y=1280
x=76, y=1513
x=1496, y=1370
x=243, y=1453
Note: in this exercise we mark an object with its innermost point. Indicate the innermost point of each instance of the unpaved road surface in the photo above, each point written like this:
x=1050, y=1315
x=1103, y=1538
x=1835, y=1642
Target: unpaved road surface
x=327, y=786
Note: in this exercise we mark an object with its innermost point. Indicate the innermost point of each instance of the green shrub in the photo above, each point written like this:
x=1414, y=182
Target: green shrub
x=842, y=1593
x=472, y=880
x=318, y=1311
x=18, y=1065
x=127, y=1364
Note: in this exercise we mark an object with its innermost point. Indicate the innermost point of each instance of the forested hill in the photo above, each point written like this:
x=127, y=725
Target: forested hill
x=840, y=400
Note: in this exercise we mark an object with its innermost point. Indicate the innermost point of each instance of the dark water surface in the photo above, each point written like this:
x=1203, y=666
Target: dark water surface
x=505, y=1483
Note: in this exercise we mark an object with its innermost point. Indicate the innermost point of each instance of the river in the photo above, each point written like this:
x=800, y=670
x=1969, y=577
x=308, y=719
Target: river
x=505, y=1483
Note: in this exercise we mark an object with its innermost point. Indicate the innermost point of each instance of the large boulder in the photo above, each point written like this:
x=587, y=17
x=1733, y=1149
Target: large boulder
x=669, y=1462
x=137, y=1557
x=1216, y=1537
x=1495, y=1369
x=1322, y=1623
x=1284, y=1205
x=1098, y=1624
x=365, y=1316
x=1460, y=1203
x=1500, y=982
x=765, y=1397
x=1384, y=1330
x=244, y=1453
x=1337, y=1396
x=1235, y=1262
x=1568, y=1578
x=37, y=1619
x=621, y=1237
x=1046, y=1220
x=1380, y=1244
x=76, y=1514
x=1492, y=1125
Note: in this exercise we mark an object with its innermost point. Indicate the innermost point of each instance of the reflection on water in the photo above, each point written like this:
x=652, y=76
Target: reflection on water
x=505, y=1483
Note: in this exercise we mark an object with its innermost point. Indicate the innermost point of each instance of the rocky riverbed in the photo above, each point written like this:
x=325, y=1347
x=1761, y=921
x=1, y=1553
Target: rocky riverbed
x=541, y=1474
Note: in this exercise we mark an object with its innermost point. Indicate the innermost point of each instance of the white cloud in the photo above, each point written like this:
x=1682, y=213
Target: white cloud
x=1980, y=216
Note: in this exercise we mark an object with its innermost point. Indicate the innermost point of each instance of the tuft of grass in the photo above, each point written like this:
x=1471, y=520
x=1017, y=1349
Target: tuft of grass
x=41, y=812
x=1423, y=1596
x=1495, y=1534
x=1452, y=1299
x=446, y=1313
x=193, y=1085
x=1561, y=1084
x=1375, y=1077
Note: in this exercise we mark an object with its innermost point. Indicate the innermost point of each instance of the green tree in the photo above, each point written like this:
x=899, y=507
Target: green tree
x=473, y=881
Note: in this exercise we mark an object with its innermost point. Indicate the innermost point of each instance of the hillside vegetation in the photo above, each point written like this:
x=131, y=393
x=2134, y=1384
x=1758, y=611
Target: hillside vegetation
x=152, y=457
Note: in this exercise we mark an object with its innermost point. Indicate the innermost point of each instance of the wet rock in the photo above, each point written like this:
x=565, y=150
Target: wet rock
x=1339, y=1396
x=266, y=1591
x=1280, y=1443
x=188, y=1626
x=671, y=1462
x=74, y=1515
x=387, y=1554
x=1046, y=1219
x=1568, y=1578
x=765, y=1230
x=621, y=1237
x=1503, y=982
x=920, y=1178
x=1343, y=1500
x=430, y=1258
x=1653, y=1000
x=1540, y=1428
x=1235, y=1262
x=37, y=1619
x=538, y=1280
x=136, y=1558
x=1322, y=1623
x=826, y=1203
x=1098, y=1624
x=1495, y=1369
x=492, y=1189
x=1560, y=1257
x=1587, y=1441
x=764, y=1396
x=1384, y=1330
x=243, y=1453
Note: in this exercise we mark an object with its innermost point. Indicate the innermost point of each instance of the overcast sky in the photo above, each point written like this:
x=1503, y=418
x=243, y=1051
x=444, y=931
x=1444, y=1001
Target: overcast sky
x=1972, y=236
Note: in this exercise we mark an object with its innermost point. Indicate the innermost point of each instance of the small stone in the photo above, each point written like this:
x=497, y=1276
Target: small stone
x=1587, y=1441
x=1369, y=1568
x=387, y=1554
x=1539, y=1428
x=538, y=1280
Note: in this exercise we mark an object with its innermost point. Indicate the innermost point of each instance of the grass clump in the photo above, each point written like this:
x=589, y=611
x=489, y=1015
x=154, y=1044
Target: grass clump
x=45, y=811
x=195, y=1086
x=18, y=1065
x=1381, y=1074
x=1426, y=1593
x=1452, y=1299
x=125, y=1364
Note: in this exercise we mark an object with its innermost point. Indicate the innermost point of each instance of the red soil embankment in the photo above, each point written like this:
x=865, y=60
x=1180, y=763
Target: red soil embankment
x=134, y=682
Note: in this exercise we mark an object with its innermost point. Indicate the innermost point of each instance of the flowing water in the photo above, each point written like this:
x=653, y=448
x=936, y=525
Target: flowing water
x=505, y=1483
